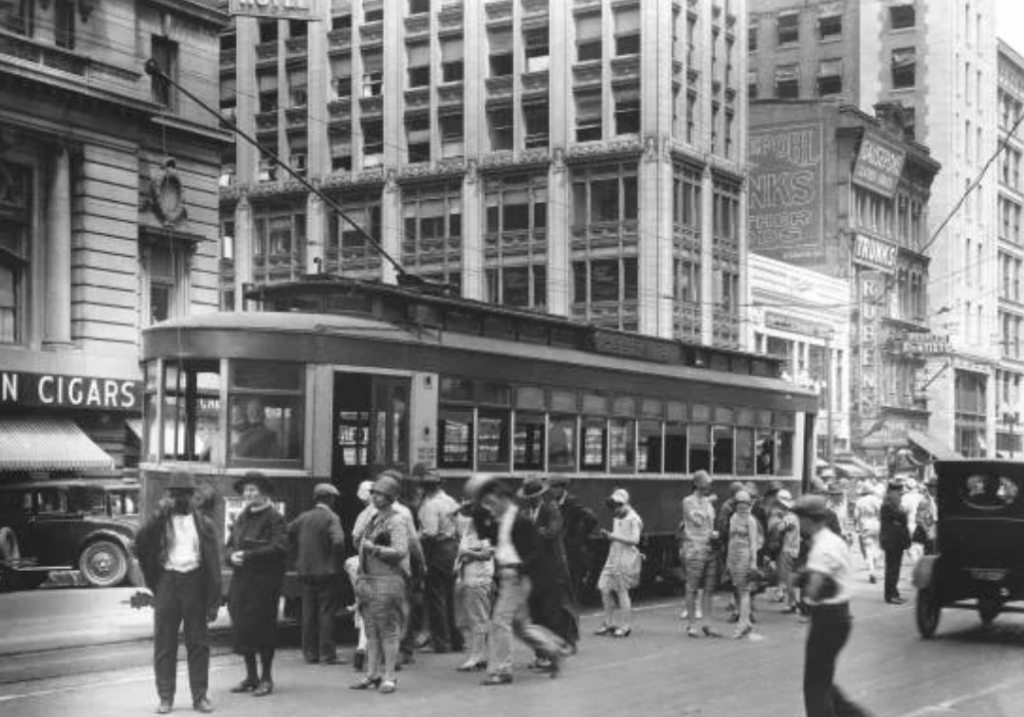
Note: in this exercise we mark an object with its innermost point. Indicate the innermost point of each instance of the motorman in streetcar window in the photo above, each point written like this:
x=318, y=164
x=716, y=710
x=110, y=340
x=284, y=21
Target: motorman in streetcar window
x=256, y=440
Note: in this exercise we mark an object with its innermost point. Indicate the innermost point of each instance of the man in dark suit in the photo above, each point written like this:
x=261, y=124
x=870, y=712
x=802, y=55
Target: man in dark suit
x=520, y=570
x=894, y=536
x=319, y=544
x=579, y=527
x=180, y=561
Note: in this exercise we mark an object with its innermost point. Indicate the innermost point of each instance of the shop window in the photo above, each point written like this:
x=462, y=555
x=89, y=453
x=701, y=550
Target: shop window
x=191, y=413
x=562, y=443
x=528, y=442
x=455, y=438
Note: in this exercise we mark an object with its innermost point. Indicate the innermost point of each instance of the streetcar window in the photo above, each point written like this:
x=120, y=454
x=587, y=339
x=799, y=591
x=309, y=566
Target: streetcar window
x=562, y=443
x=528, y=445
x=700, y=447
x=676, y=447
x=563, y=401
x=765, y=457
x=595, y=404
x=785, y=453
x=652, y=408
x=648, y=456
x=191, y=412
x=530, y=398
x=267, y=427
x=456, y=389
x=492, y=439
x=455, y=438
x=624, y=406
x=593, y=444
x=498, y=394
x=722, y=447
x=745, y=451
x=621, y=444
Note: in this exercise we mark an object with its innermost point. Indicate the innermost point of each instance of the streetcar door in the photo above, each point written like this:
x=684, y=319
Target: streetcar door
x=370, y=432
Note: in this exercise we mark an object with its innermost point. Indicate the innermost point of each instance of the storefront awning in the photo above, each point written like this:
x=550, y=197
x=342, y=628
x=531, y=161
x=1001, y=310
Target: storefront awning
x=932, y=446
x=48, y=444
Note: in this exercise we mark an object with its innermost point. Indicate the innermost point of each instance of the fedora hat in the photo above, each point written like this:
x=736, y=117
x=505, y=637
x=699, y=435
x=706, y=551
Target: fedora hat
x=180, y=480
x=533, y=487
x=425, y=473
x=262, y=483
x=811, y=506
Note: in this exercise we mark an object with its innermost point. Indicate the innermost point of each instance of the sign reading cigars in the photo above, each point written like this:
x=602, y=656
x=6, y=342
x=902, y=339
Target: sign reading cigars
x=879, y=164
x=279, y=9
x=785, y=214
x=18, y=388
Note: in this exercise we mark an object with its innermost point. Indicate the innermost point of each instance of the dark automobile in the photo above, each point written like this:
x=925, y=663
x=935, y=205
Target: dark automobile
x=979, y=563
x=82, y=524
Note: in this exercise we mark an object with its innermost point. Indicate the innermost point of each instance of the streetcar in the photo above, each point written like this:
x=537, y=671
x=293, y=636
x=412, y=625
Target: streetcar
x=334, y=379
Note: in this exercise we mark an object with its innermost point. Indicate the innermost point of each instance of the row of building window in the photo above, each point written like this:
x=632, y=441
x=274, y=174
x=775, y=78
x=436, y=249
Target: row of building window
x=1009, y=220
x=1010, y=326
x=828, y=26
x=1011, y=269
x=899, y=220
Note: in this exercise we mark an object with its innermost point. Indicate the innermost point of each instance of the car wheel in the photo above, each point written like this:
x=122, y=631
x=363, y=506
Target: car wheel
x=103, y=564
x=988, y=610
x=927, y=612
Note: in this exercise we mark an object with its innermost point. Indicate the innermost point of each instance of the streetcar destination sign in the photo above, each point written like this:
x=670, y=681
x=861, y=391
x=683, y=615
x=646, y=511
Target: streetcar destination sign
x=19, y=388
x=636, y=347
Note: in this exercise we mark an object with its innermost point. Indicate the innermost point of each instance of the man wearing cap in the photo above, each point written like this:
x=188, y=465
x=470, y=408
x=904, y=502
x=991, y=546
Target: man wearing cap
x=180, y=560
x=699, y=552
x=827, y=593
x=579, y=526
x=895, y=538
x=318, y=541
x=440, y=538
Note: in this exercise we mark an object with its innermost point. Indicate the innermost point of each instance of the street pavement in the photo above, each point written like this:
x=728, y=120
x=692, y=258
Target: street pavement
x=967, y=671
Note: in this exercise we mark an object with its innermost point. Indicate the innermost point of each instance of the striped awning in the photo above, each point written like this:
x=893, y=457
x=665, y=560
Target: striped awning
x=48, y=444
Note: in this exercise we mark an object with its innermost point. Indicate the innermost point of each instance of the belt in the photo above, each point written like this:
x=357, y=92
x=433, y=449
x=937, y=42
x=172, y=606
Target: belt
x=837, y=610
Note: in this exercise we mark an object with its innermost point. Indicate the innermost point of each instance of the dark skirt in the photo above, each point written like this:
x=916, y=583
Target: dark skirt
x=253, y=605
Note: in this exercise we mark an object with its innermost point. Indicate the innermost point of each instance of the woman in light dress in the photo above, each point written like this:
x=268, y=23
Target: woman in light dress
x=621, y=570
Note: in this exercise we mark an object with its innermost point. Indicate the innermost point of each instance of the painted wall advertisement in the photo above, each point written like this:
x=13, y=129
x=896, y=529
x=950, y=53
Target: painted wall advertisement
x=879, y=164
x=787, y=174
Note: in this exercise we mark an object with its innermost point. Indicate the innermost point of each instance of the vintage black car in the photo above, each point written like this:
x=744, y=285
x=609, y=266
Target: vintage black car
x=82, y=524
x=979, y=563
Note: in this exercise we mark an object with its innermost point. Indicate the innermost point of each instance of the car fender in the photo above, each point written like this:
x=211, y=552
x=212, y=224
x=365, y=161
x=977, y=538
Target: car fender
x=924, y=571
x=106, y=534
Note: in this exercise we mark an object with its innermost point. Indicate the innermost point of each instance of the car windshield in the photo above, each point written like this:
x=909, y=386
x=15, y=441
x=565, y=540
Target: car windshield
x=988, y=491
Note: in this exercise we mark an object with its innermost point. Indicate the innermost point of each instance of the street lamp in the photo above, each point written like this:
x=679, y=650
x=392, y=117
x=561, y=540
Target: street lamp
x=1011, y=417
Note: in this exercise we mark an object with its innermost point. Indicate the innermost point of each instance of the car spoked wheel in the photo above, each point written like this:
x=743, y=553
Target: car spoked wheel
x=103, y=564
x=927, y=612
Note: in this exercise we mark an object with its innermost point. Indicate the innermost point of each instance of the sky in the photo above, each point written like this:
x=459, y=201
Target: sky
x=1010, y=23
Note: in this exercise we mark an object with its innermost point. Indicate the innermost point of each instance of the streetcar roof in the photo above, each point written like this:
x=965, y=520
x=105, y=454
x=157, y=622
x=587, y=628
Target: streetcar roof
x=368, y=328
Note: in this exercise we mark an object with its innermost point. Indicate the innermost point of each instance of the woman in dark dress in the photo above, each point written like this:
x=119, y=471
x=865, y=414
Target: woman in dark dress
x=257, y=549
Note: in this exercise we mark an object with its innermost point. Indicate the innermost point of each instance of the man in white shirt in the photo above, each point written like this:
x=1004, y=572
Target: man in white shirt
x=440, y=538
x=827, y=594
x=180, y=560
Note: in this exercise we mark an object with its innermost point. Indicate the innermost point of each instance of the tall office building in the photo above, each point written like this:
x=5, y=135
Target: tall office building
x=936, y=58
x=1011, y=253
x=581, y=157
x=108, y=217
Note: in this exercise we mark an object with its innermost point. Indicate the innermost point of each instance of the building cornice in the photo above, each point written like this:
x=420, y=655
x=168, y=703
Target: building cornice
x=194, y=9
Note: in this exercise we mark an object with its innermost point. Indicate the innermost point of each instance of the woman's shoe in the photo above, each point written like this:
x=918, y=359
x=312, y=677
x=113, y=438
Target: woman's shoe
x=605, y=630
x=388, y=686
x=742, y=632
x=472, y=666
x=692, y=631
x=246, y=685
x=366, y=683
x=622, y=632
x=264, y=688
x=710, y=631
x=495, y=680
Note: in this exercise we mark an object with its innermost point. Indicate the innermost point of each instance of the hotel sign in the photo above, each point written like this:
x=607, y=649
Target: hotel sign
x=875, y=253
x=879, y=164
x=18, y=388
x=277, y=9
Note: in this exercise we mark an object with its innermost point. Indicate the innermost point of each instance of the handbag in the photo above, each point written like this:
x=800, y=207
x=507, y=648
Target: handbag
x=634, y=567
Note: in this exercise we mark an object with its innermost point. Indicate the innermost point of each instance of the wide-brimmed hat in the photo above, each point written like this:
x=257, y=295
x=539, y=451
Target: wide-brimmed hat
x=425, y=473
x=532, y=487
x=811, y=506
x=321, y=489
x=834, y=488
x=262, y=483
x=387, y=485
x=180, y=480
x=785, y=497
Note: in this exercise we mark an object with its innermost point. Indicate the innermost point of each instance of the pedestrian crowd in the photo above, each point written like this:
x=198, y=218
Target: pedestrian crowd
x=432, y=573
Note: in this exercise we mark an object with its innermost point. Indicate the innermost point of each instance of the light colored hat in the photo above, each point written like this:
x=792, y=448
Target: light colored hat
x=742, y=497
x=785, y=497
x=325, y=489
x=363, y=492
x=811, y=506
x=620, y=496
x=387, y=485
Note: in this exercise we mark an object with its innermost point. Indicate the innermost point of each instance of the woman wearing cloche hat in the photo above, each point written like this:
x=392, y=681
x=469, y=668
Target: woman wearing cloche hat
x=622, y=568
